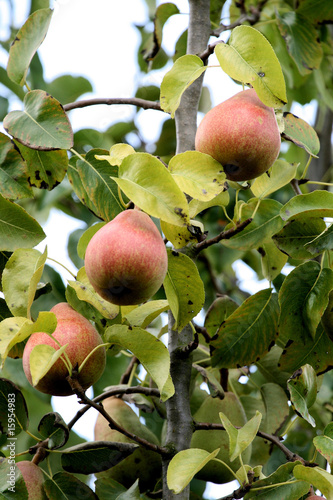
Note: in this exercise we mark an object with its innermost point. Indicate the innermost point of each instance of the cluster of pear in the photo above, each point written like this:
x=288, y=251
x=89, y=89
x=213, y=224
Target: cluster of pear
x=126, y=262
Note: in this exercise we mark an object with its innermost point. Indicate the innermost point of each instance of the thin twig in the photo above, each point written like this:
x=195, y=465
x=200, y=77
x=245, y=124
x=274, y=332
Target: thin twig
x=79, y=391
x=224, y=235
x=115, y=391
x=134, y=101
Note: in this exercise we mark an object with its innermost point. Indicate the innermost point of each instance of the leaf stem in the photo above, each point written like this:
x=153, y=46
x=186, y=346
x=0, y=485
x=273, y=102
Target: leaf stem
x=62, y=265
x=91, y=353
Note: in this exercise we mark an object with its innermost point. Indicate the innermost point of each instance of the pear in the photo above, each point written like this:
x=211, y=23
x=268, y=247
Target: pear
x=210, y=440
x=126, y=260
x=82, y=337
x=33, y=478
x=142, y=463
x=242, y=134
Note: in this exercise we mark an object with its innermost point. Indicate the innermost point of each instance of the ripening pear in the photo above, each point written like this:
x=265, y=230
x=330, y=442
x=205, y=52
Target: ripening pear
x=82, y=337
x=327, y=317
x=142, y=463
x=242, y=134
x=33, y=478
x=126, y=260
x=210, y=440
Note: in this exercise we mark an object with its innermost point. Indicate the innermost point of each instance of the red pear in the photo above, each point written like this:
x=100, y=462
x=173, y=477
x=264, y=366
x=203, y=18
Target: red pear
x=126, y=260
x=242, y=134
x=82, y=338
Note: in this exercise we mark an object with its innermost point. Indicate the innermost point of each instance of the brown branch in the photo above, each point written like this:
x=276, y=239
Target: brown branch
x=115, y=391
x=127, y=373
x=295, y=185
x=134, y=101
x=79, y=391
x=224, y=235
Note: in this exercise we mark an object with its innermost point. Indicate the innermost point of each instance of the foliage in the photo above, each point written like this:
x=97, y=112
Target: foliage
x=269, y=348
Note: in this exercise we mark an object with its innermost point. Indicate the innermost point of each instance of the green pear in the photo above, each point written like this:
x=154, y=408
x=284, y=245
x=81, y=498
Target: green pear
x=126, y=260
x=242, y=134
x=82, y=337
x=327, y=317
x=33, y=478
x=210, y=440
x=142, y=463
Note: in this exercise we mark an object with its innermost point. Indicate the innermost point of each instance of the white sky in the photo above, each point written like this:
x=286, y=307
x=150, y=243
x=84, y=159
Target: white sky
x=98, y=40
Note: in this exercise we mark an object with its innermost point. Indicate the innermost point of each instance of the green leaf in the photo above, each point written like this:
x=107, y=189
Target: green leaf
x=13, y=171
x=151, y=352
x=249, y=58
x=248, y=332
x=181, y=236
x=26, y=43
x=146, y=313
x=86, y=237
x=42, y=358
x=184, y=288
x=280, y=174
x=11, y=397
x=43, y=124
x=303, y=298
x=85, y=291
x=150, y=186
x=68, y=88
x=45, y=169
x=324, y=443
x=283, y=474
x=89, y=458
x=78, y=186
x=303, y=391
x=184, y=466
x=316, y=352
x=20, y=278
x=316, y=204
x=65, y=486
x=240, y=439
x=266, y=223
x=183, y=73
x=319, y=478
x=221, y=200
x=96, y=177
x=17, y=329
x=162, y=14
x=218, y=312
x=276, y=407
x=17, y=228
x=117, y=153
x=272, y=260
x=300, y=133
x=301, y=38
x=6, y=491
x=198, y=175
x=53, y=427
x=324, y=241
x=297, y=234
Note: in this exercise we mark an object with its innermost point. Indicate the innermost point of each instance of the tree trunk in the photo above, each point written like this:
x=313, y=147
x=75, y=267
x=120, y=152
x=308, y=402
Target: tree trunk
x=179, y=430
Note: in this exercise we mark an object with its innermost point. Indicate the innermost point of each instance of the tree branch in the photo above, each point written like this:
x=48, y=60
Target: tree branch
x=79, y=391
x=224, y=235
x=134, y=101
x=115, y=391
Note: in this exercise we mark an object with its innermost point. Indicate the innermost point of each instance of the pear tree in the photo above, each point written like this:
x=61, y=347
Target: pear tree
x=195, y=380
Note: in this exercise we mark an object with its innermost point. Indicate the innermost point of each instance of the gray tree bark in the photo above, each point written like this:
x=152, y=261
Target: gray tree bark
x=180, y=423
